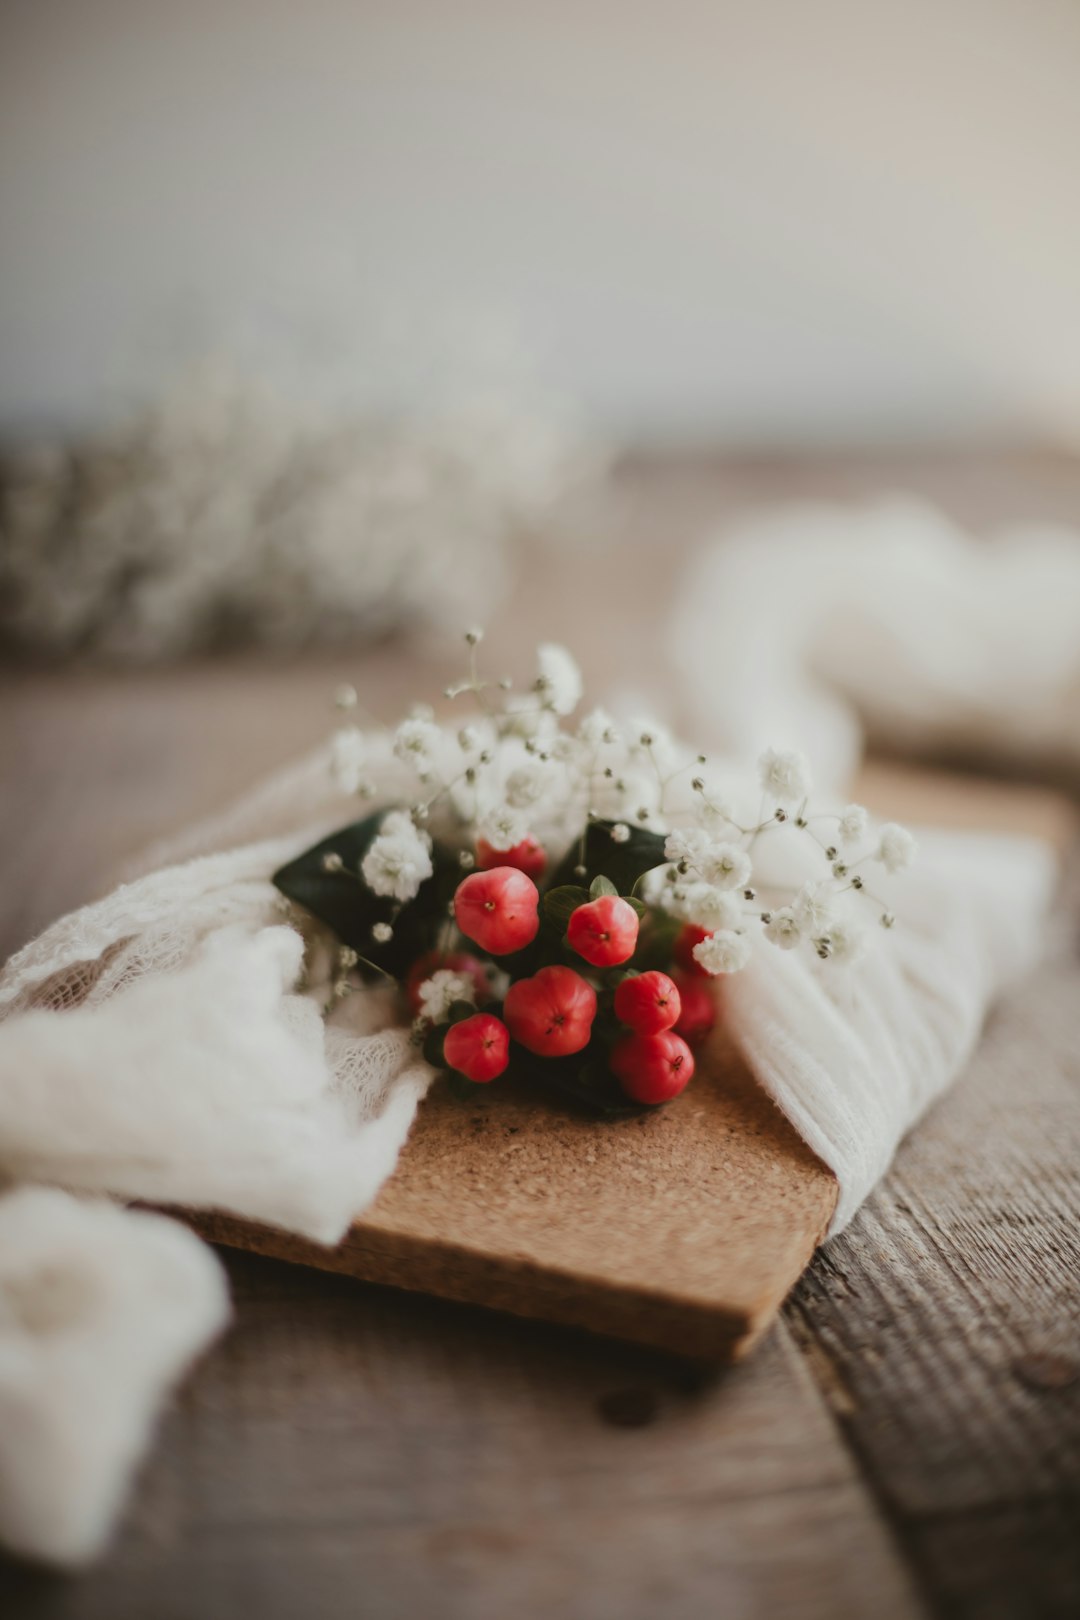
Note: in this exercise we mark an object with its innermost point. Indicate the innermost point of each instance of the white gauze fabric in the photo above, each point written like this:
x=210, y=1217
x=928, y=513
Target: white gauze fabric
x=804, y=625
x=854, y=1056
x=101, y=1310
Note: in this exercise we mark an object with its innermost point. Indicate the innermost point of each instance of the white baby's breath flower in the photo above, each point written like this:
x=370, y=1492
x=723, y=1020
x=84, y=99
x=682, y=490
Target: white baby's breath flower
x=382, y=933
x=847, y=941
x=438, y=994
x=348, y=753
x=896, y=847
x=559, y=679
x=783, y=929
x=526, y=785
x=726, y=866
x=502, y=827
x=597, y=728
x=707, y=907
x=416, y=741
x=723, y=952
x=716, y=816
x=687, y=846
x=814, y=907
x=620, y=833
x=853, y=824
x=399, y=860
x=785, y=776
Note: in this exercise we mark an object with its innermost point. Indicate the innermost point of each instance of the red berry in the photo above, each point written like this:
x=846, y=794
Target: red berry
x=690, y=936
x=698, y=1010
x=652, y=1068
x=528, y=856
x=552, y=1013
x=454, y=962
x=498, y=909
x=648, y=1002
x=478, y=1047
x=604, y=931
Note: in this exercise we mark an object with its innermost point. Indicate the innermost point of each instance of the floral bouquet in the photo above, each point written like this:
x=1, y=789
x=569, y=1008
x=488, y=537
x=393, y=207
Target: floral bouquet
x=554, y=901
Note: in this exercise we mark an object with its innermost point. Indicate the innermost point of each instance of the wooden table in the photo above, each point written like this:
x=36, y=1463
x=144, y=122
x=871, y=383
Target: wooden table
x=906, y=1442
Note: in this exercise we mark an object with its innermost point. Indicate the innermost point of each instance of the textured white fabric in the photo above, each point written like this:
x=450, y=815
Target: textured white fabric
x=101, y=1310
x=806, y=625
x=853, y=1058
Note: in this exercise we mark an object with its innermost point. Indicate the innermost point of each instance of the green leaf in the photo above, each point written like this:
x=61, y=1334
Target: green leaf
x=433, y=1046
x=460, y=1010
x=342, y=901
x=600, y=886
x=560, y=904
x=622, y=863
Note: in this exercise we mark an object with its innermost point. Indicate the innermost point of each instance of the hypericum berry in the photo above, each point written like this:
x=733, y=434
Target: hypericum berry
x=698, y=1013
x=652, y=1068
x=528, y=856
x=604, y=931
x=498, y=909
x=431, y=962
x=683, y=953
x=478, y=1047
x=552, y=1013
x=649, y=1002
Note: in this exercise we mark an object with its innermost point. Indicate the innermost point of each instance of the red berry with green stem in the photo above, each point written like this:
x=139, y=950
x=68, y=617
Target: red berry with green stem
x=652, y=1068
x=552, y=1013
x=604, y=931
x=478, y=1047
x=498, y=909
x=648, y=1002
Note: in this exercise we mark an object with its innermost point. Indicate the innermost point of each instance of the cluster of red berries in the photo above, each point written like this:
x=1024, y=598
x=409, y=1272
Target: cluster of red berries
x=551, y=1012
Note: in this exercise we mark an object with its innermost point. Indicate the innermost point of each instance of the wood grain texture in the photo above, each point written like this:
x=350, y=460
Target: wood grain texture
x=350, y=1450
x=945, y=1323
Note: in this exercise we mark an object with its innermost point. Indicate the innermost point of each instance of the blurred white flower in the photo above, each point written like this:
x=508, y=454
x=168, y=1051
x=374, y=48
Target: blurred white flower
x=853, y=825
x=417, y=741
x=503, y=827
x=598, y=727
x=559, y=679
x=725, y=865
x=707, y=907
x=896, y=847
x=814, y=908
x=783, y=929
x=723, y=952
x=438, y=994
x=399, y=860
x=785, y=776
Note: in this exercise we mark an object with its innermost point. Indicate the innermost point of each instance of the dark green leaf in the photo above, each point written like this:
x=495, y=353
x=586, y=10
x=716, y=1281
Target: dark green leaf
x=622, y=863
x=561, y=903
x=346, y=904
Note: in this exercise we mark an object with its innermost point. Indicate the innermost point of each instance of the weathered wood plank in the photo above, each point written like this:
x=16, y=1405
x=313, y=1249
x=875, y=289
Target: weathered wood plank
x=945, y=1324
x=358, y=1451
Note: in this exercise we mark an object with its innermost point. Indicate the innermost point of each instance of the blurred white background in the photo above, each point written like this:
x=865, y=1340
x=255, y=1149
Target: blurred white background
x=774, y=223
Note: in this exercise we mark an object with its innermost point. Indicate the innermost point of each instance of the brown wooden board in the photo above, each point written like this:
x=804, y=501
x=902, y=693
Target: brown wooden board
x=683, y=1229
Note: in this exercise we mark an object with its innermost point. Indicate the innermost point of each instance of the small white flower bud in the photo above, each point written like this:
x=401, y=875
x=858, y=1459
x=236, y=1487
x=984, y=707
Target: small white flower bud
x=620, y=833
x=332, y=862
x=382, y=933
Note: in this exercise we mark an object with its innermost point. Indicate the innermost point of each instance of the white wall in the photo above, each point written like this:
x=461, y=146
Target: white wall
x=783, y=220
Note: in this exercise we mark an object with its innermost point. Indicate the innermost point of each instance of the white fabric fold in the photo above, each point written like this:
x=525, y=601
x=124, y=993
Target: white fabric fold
x=101, y=1311
x=806, y=625
x=854, y=1058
